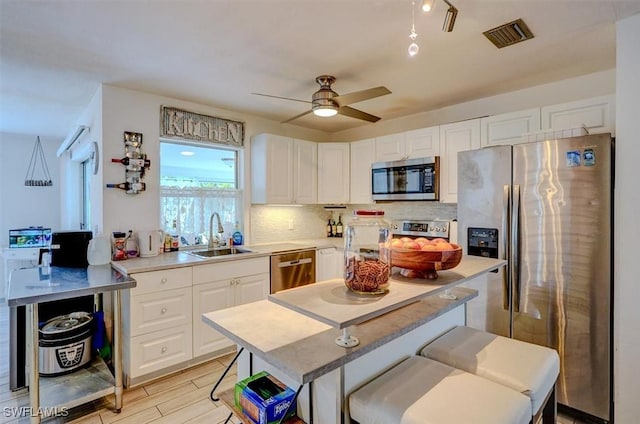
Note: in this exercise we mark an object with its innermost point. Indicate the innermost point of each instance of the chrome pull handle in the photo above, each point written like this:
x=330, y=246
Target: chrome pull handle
x=506, y=201
x=515, y=248
x=164, y=349
x=163, y=311
x=163, y=280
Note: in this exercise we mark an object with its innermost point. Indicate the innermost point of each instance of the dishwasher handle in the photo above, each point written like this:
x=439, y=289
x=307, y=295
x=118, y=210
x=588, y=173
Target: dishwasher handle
x=295, y=262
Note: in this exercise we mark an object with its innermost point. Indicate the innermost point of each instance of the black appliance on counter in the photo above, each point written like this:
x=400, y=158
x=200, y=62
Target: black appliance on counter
x=68, y=249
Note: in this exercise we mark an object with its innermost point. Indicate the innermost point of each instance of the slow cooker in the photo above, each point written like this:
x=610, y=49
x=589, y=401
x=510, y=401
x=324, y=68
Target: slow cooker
x=65, y=343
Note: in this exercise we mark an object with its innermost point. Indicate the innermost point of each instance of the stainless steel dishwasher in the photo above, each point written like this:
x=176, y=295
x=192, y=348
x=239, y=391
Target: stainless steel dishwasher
x=292, y=269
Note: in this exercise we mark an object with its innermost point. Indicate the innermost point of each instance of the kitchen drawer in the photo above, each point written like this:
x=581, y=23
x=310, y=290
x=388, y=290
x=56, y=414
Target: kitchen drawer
x=155, y=311
x=230, y=269
x=160, y=349
x=166, y=279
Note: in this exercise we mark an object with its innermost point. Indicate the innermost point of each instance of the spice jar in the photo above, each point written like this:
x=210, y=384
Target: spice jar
x=366, y=253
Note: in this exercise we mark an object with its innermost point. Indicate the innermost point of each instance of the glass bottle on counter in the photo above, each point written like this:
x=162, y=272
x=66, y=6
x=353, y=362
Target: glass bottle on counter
x=329, y=228
x=339, y=227
x=367, y=258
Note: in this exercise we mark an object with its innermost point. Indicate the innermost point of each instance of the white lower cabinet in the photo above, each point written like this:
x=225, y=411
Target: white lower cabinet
x=156, y=322
x=162, y=316
x=160, y=349
x=222, y=285
x=160, y=310
x=206, y=298
x=328, y=263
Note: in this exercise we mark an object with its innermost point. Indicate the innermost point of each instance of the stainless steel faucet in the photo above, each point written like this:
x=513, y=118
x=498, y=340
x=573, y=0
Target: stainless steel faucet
x=219, y=241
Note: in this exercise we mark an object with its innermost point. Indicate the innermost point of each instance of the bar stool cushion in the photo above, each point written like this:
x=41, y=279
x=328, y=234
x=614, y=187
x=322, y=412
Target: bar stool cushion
x=525, y=367
x=422, y=391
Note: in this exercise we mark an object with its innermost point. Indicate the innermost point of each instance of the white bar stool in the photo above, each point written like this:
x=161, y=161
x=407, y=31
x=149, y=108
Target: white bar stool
x=422, y=391
x=524, y=367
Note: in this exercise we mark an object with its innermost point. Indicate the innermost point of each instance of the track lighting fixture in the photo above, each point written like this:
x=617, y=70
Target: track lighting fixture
x=450, y=17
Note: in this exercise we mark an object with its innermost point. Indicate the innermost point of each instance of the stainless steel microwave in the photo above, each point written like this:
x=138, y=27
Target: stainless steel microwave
x=411, y=179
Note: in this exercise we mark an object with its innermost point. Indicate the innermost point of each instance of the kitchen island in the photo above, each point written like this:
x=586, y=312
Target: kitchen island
x=293, y=334
x=30, y=286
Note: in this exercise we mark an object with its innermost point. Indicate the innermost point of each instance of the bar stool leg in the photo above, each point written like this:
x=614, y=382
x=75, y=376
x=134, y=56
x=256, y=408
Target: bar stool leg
x=550, y=411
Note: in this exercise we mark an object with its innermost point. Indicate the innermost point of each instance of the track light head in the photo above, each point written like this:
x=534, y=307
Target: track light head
x=450, y=17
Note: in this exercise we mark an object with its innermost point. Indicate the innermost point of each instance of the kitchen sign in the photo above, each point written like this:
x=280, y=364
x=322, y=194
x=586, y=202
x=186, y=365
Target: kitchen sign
x=178, y=123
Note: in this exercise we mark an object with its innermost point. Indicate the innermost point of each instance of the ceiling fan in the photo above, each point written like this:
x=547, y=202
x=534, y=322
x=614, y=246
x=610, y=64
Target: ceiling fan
x=326, y=102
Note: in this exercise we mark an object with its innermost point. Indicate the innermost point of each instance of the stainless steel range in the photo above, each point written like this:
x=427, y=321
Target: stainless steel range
x=413, y=229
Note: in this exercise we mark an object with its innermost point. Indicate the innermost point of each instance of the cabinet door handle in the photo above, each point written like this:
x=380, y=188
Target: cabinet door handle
x=163, y=280
x=164, y=349
x=163, y=311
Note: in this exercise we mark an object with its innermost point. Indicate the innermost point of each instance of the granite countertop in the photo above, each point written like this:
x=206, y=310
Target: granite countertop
x=307, y=350
x=46, y=283
x=183, y=258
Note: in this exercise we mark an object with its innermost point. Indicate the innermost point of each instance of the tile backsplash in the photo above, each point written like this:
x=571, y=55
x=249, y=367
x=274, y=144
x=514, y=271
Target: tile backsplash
x=282, y=223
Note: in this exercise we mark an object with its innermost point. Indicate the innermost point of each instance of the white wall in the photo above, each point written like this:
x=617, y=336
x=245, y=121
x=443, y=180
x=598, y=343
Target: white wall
x=627, y=228
x=127, y=110
x=22, y=206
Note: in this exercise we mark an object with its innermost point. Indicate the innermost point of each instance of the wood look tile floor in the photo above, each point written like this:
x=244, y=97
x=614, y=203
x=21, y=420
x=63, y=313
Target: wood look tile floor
x=181, y=398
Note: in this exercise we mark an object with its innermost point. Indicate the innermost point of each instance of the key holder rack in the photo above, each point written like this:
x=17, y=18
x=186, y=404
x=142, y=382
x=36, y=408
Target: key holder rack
x=135, y=163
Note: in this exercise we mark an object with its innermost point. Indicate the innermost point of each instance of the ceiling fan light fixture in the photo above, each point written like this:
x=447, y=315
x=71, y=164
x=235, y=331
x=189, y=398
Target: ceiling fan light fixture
x=325, y=111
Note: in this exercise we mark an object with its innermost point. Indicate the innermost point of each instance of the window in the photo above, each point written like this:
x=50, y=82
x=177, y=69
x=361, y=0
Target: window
x=87, y=171
x=195, y=181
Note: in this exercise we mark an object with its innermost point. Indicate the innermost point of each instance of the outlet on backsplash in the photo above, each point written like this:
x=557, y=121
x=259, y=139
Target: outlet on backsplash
x=290, y=224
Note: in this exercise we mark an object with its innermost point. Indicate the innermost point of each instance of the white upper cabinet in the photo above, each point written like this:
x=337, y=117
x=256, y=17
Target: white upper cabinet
x=508, y=128
x=305, y=165
x=283, y=170
x=454, y=138
x=333, y=173
x=423, y=142
x=595, y=114
x=271, y=169
x=363, y=154
x=390, y=147
x=418, y=143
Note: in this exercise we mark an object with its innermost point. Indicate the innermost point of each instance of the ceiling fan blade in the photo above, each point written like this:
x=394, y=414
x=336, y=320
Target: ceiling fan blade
x=358, y=114
x=358, y=96
x=297, y=116
x=283, y=98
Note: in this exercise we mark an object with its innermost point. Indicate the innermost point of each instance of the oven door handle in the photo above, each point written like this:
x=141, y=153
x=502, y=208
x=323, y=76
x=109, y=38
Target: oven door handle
x=295, y=262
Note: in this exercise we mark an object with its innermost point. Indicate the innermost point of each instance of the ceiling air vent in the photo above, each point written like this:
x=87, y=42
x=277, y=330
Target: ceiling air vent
x=508, y=34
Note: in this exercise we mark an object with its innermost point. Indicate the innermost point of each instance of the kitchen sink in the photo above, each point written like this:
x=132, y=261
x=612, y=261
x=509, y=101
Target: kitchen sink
x=221, y=251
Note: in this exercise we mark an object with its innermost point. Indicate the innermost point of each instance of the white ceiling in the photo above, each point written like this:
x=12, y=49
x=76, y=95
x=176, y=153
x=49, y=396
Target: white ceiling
x=55, y=53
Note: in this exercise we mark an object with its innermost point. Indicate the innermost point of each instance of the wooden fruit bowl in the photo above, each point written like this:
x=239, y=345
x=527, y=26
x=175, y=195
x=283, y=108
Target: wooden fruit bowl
x=425, y=263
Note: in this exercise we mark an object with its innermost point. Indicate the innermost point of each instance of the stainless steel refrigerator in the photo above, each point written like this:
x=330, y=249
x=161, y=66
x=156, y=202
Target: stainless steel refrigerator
x=546, y=207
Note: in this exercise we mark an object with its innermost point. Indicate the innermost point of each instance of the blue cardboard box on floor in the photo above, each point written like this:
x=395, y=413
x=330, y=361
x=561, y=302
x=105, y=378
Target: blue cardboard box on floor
x=264, y=399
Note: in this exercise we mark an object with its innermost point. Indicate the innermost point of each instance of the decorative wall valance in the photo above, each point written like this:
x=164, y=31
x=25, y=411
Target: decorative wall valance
x=176, y=123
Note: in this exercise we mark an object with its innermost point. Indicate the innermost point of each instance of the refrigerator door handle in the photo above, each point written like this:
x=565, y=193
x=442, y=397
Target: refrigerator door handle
x=515, y=248
x=506, y=200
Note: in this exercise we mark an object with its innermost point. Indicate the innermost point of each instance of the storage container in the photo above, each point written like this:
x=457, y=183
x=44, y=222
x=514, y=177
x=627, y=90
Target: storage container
x=366, y=253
